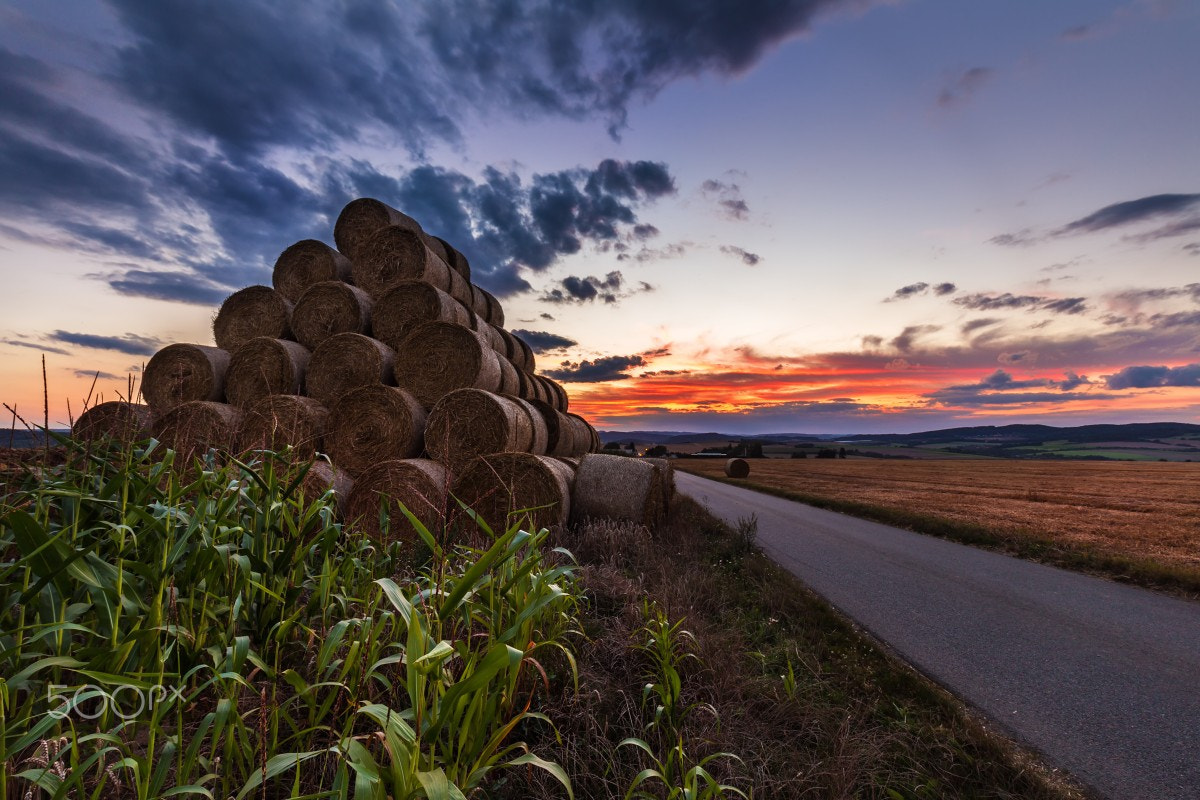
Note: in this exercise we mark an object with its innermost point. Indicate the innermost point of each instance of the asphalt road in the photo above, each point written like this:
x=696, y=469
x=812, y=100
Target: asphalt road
x=1102, y=679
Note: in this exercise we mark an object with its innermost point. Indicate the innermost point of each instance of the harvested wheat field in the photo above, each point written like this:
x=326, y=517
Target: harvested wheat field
x=1137, y=511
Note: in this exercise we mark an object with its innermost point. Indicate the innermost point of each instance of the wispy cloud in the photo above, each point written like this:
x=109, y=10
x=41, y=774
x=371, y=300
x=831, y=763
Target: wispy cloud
x=963, y=86
x=746, y=257
x=542, y=341
x=130, y=344
x=610, y=289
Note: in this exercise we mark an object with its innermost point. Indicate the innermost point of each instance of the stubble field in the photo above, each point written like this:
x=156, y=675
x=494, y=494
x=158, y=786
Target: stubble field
x=1137, y=519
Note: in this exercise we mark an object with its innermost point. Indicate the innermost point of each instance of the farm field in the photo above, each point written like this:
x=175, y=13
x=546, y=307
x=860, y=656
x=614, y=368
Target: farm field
x=1137, y=519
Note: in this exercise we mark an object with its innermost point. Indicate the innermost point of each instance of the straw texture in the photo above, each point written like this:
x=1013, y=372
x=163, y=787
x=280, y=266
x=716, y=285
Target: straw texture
x=617, y=487
x=420, y=485
x=126, y=422
x=737, y=468
x=372, y=424
x=306, y=263
x=439, y=357
x=249, y=313
x=361, y=218
x=410, y=304
x=194, y=427
x=469, y=423
x=329, y=308
x=394, y=254
x=263, y=367
x=180, y=373
x=284, y=420
x=346, y=361
x=534, y=490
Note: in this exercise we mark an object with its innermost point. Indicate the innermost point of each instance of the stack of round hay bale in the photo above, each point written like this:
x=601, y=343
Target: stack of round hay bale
x=383, y=355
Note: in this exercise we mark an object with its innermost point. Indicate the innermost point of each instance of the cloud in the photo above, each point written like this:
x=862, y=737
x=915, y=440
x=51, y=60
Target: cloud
x=89, y=374
x=609, y=368
x=1132, y=211
x=748, y=258
x=45, y=348
x=541, y=341
x=130, y=343
x=585, y=290
x=963, y=86
x=728, y=197
x=914, y=289
x=1146, y=377
x=1001, y=388
x=647, y=254
x=973, y=325
x=906, y=341
x=983, y=301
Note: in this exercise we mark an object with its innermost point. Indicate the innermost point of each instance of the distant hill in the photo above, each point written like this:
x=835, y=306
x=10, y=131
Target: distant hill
x=679, y=437
x=23, y=438
x=1009, y=435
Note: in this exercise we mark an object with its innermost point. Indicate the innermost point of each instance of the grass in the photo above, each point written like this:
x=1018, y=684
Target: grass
x=301, y=659
x=1129, y=521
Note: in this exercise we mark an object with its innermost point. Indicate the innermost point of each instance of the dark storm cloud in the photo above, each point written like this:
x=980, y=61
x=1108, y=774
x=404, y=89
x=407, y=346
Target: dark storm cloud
x=747, y=258
x=1132, y=211
x=1146, y=377
x=610, y=289
x=610, y=368
x=983, y=301
x=1001, y=388
x=541, y=341
x=962, y=87
x=130, y=343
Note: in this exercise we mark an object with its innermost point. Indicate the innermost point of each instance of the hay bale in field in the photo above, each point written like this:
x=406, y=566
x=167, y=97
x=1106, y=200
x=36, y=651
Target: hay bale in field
x=372, y=424
x=479, y=303
x=556, y=395
x=346, y=361
x=306, y=263
x=460, y=288
x=419, y=484
x=394, y=254
x=493, y=313
x=117, y=419
x=560, y=431
x=491, y=334
x=438, y=357
x=581, y=433
x=617, y=487
x=537, y=424
x=283, y=420
x=457, y=261
x=322, y=478
x=666, y=477
x=410, y=304
x=180, y=373
x=329, y=308
x=737, y=468
x=361, y=218
x=526, y=359
x=252, y=312
x=509, y=382
x=263, y=367
x=502, y=484
x=469, y=423
x=193, y=428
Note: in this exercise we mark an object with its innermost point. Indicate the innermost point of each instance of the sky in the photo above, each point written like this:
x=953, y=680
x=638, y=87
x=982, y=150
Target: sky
x=747, y=216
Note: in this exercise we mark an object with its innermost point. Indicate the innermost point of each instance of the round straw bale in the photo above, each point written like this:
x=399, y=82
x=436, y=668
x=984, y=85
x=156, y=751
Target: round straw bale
x=666, y=477
x=457, y=261
x=617, y=487
x=438, y=357
x=409, y=304
x=322, y=478
x=737, y=468
x=437, y=248
x=582, y=434
x=526, y=389
x=281, y=420
x=372, y=424
x=512, y=350
x=305, y=263
x=252, y=312
x=525, y=360
x=572, y=462
x=509, y=382
x=329, y=308
x=394, y=254
x=495, y=313
x=499, y=485
x=118, y=419
x=540, y=436
x=346, y=361
x=182, y=372
x=265, y=366
x=555, y=392
x=493, y=335
x=468, y=423
x=460, y=288
x=479, y=303
x=560, y=433
x=419, y=484
x=361, y=218
x=194, y=427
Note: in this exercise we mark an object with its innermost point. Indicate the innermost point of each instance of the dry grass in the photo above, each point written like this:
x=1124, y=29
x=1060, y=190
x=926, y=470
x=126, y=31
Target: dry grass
x=1102, y=511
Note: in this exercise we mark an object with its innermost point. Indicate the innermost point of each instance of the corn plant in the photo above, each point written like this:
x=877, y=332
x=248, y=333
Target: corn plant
x=665, y=645
x=268, y=648
x=679, y=778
